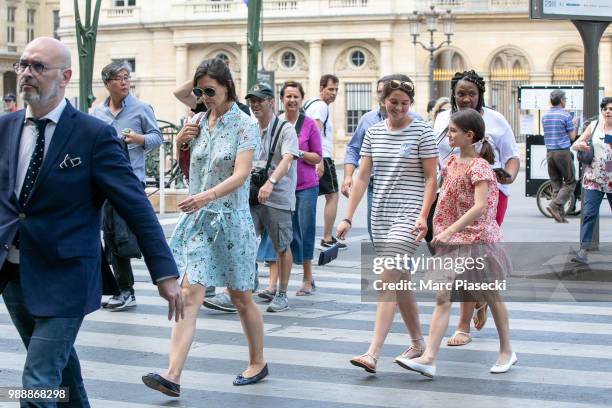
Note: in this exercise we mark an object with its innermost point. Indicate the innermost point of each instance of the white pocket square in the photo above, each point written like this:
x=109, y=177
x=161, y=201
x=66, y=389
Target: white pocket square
x=70, y=162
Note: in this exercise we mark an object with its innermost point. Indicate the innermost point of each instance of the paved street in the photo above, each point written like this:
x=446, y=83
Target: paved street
x=564, y=349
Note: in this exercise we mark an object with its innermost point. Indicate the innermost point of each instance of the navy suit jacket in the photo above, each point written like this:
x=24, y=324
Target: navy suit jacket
x=59, y=226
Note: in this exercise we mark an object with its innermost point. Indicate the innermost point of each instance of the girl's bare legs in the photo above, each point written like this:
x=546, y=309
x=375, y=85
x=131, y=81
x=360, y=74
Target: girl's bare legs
x=466, y=311
x=500, y=316
x=183, y=331
x=437, y=328
x=385, y=311
x=252, y=325
x=409, y=309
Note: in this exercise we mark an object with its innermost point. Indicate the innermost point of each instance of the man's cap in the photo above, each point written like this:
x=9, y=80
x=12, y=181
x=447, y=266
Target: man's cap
x=10, y=97
x=260, y=91
x=557, y=93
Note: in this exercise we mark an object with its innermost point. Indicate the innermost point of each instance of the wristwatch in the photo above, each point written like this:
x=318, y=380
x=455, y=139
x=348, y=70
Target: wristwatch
x=301, y=154
x=271, y=180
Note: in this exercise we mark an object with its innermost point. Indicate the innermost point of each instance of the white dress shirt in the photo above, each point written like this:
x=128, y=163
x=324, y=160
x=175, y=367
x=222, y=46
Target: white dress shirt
x=26, y=148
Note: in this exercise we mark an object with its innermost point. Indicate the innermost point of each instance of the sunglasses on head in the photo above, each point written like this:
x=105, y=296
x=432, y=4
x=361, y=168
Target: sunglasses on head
x=397, y=84
x=199, y=92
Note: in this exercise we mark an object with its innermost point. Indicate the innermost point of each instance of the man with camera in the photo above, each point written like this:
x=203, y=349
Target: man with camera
x=273, y=183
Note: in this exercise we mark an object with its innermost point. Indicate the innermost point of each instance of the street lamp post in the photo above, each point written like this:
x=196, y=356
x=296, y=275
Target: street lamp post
x=431, y=18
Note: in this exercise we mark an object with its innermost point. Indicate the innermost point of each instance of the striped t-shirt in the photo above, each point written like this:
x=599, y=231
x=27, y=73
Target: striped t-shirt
x=399, y=185
x=557, y=124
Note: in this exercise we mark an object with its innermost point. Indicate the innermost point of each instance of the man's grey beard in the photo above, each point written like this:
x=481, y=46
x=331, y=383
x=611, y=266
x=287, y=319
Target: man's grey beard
x=36, y=99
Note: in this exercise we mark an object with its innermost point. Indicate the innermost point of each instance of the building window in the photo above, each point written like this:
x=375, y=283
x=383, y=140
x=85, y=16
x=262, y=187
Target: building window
x=10, y=14
x=56, y=23
x=358, y=102
x=131, y=62
x=358, y=58
x=31, y=19
x=123, y=3
x=288, y=59
x=10, y=34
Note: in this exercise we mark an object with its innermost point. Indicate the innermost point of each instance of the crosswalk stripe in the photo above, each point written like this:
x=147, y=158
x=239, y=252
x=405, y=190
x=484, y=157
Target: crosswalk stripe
x=536, y=375
x=300, y=389
x=351, y=335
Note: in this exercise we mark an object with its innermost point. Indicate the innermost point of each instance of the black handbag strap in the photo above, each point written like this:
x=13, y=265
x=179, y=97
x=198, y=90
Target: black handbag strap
x=299, y=123
x=275, y=136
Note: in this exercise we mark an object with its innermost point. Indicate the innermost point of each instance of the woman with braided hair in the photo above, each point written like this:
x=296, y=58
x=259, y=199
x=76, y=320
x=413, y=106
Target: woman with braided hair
x=467, y=92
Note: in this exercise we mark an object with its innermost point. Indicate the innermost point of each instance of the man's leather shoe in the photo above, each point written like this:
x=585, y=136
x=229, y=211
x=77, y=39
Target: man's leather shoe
x=241, y=380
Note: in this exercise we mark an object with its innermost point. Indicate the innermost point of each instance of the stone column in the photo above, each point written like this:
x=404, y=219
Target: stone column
x=314, y=68
x=386, y=57
x=605, y=64
x=244, y=68
x=180, y=52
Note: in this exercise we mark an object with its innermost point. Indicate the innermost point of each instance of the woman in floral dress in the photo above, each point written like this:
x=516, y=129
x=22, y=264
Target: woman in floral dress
x=214, y=241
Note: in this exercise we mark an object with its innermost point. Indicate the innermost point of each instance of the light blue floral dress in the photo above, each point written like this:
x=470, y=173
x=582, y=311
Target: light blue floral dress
x=216, y=245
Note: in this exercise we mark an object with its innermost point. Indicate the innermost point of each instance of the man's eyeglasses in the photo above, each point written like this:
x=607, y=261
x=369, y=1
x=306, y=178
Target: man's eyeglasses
x=405, y=85
x=199, y=92
x=121, y=79
x=36, y=67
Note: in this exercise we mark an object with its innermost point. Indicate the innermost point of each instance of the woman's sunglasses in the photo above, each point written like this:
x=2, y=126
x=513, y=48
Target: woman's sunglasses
x=199, y=92
x=396, y=84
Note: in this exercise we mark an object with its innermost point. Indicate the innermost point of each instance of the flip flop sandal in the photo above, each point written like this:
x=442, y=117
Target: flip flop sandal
x=362, y=361
x=266, y=294
x=159, y=383
x=305, y=292
x=457, y=333
x=480, y=315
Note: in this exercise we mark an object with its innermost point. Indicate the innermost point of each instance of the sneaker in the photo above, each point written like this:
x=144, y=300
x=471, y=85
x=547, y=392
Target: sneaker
x=121, y=301
x=328, y=244
x=210, y=292
x=581, y=257
x=220, y=302
x=280, y=303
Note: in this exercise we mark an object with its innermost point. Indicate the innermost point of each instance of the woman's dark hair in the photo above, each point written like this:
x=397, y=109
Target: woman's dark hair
x=605, y=102
x=218, y=70
x=473, y=77
x=397, y=82
x=292, y=84
x=470, y=120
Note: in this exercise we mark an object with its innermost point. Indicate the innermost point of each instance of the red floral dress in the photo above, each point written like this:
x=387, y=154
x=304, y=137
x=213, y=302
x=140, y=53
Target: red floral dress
x=457, y=197
x=479, y=240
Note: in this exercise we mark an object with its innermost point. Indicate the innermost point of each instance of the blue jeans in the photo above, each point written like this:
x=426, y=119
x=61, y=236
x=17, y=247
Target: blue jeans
x=304, y=225
x=370, y=194
x=590, y=206
x=266, y=251
x=51, y=360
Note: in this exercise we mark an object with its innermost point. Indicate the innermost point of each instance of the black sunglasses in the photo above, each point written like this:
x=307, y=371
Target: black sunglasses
x=199, y=92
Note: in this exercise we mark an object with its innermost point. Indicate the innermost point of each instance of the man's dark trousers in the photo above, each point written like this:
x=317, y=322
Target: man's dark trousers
x=51, y=360
x=562, y=176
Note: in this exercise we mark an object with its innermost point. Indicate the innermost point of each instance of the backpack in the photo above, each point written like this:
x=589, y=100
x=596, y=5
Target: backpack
x=307, y=105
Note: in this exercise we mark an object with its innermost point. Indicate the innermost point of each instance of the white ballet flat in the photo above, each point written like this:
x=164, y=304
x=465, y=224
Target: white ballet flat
x=504, y=368
x=424, y=369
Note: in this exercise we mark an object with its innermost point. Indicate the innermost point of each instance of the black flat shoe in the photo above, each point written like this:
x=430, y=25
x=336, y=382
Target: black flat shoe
x=240, y=380
x=159, y=383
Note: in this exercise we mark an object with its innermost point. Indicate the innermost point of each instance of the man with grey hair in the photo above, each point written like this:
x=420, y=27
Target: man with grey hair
x=559, y=132
x=135, y=123
x=57, y=167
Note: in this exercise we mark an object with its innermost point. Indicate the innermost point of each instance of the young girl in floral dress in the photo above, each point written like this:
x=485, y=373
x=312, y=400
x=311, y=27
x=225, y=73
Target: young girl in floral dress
x=465, y=227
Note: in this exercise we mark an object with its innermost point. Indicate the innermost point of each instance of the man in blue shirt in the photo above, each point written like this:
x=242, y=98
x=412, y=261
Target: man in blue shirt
x=353, y=149
x=559, y=132
x=136, y=124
